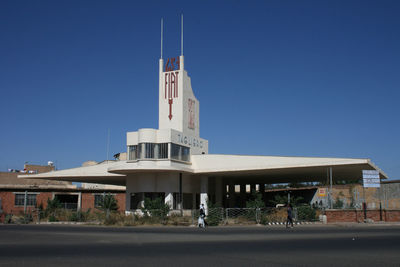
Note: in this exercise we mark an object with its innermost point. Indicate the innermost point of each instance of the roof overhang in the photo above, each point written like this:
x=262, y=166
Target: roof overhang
x=270, y=169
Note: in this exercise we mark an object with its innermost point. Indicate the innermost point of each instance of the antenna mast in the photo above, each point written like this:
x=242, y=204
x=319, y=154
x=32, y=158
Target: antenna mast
x=162, y=29
x=182, y=34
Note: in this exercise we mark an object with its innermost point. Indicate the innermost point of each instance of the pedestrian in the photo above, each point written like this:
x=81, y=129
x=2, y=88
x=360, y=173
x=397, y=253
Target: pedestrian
x=289, y=216
x=202, y=221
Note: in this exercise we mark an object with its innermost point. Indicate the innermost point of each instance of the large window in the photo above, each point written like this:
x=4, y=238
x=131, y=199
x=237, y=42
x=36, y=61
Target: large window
x=30, y=199
x=179, y=152
x=162, y=151
x=133, y=152
x=187, y=201
x=98, y=200
x=138, y=198
x=149, y=150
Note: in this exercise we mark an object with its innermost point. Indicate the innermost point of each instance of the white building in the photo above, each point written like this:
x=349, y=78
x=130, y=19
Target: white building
x=172, y=161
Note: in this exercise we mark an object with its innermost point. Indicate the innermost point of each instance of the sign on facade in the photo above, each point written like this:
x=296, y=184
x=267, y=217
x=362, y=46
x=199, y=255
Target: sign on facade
x=371, y=178
x=322, y=192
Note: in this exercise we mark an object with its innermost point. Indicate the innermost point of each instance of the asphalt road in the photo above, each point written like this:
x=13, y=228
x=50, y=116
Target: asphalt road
x=309, y=245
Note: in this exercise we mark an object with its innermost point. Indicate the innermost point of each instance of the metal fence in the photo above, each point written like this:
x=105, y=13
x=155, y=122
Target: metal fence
x=248, y=216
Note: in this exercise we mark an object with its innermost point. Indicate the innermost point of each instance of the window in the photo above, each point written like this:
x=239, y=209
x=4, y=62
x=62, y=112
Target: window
x=162, y=151
x=30, y=199
x=98, y=200
x=180, y=152
x=187, y=201
x=133, y=152
x=136, y=199
x=149, y=150
x=176, y=202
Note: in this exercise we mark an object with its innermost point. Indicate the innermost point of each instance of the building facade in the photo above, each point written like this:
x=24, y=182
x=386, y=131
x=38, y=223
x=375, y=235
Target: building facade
x=172, y=162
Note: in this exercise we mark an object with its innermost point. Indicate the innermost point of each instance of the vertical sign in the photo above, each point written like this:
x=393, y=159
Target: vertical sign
x=171, y=82
x=191, y=108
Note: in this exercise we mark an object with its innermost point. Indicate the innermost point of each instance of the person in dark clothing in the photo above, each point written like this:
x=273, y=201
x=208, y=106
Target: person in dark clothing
x=289, y=216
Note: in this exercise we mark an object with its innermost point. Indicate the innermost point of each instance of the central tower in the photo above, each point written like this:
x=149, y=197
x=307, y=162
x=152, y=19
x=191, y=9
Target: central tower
x=178, y=107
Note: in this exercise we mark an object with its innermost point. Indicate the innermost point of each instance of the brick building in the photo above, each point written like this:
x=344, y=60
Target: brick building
x=23, y=195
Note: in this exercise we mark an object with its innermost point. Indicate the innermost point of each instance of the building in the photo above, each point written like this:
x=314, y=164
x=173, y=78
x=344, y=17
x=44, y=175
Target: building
x=19, y=196
x=172, y=162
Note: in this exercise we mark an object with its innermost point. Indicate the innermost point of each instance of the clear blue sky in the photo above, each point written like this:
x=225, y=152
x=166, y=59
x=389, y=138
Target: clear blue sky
x=291, y=78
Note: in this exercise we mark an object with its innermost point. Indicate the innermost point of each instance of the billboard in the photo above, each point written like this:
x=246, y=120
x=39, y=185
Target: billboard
x=371, y=178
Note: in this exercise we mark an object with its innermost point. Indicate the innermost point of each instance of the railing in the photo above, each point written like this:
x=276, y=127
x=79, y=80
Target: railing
x=248, y=216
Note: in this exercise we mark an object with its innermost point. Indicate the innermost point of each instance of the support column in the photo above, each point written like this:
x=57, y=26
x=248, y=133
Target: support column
x=231, y=194
x=330, y=180
x=180, y=197
x=169, y=199
x=204, y=192
x=252, y=188
x=262, y=191
x=218, y=191
x=79, y=201
x=242, y=195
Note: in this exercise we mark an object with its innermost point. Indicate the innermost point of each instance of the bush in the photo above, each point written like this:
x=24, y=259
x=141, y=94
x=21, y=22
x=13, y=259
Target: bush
x=338, y=204
x=155, y=208
x=306, y=213
x=52, y=218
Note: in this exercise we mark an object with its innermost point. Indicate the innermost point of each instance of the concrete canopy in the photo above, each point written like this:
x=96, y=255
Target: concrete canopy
x=268, y=169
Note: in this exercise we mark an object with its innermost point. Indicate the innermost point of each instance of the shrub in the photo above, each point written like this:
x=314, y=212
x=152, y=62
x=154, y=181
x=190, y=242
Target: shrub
x=53, y=218
x=215, y=214
x=306, y=213
x=155, y=208
x=338, y=204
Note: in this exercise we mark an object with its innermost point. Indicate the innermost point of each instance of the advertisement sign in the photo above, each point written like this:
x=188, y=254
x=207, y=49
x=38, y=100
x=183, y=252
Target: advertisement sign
x=371, y=178
x=322, y=192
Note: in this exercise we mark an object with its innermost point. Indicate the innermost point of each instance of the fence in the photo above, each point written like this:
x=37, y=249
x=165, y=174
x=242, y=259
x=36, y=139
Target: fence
x=248, y=216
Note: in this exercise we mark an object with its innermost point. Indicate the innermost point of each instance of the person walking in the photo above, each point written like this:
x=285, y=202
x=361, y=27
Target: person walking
x=289, y=216
x=202, y=222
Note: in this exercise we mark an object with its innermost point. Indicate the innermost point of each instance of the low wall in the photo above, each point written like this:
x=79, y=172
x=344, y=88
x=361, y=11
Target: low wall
x=353, y=215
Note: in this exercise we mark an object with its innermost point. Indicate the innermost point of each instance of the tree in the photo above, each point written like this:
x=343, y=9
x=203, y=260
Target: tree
x=108, y=204
x=256, y=201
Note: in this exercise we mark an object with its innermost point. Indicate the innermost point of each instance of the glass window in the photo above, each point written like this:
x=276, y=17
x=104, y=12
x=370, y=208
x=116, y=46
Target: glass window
x=185, y=154
x=136, y=199
x=180, y=152
x=133, y=152
x=30, y=199
x=149, y=150
x=187, y=201
x=98, y=200
x=162, y=151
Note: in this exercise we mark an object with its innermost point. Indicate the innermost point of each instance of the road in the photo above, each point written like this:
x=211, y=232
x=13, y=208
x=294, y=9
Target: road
x=306, y=245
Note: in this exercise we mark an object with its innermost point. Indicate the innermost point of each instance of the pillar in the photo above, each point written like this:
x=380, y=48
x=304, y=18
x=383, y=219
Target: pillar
x=242, y=195
x=204, y=192
x=252, y=188
x=231, y=194
x=262, y=191
x=218, y=191
x=169, y=199
x=79, y=201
